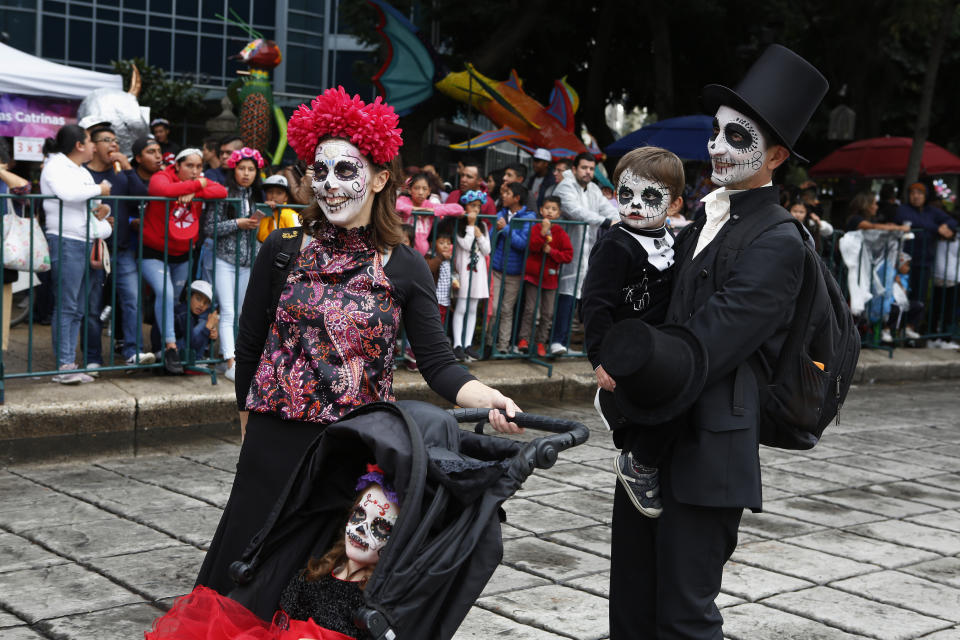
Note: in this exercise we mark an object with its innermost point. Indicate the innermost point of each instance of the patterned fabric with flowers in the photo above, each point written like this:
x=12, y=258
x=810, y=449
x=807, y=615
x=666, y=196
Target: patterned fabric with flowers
x=331, y=346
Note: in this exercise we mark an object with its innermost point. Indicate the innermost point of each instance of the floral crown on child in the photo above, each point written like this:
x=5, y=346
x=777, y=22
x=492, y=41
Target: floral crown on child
x=473, y=196
x=371, y=127
x=374, y=475
x=246, y=153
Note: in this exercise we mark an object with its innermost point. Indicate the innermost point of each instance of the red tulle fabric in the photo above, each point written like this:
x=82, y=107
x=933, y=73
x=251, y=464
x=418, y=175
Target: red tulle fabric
x=372, y=128
x=204, y=614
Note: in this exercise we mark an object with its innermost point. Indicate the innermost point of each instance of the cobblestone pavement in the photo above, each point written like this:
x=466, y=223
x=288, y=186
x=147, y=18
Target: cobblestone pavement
x=860, y=538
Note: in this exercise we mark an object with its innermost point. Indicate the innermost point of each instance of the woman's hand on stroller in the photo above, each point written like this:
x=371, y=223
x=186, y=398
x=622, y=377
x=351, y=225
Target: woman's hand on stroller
x=476, y=395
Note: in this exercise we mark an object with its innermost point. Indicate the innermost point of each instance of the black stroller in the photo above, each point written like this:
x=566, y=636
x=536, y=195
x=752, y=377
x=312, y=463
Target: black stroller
x=446, y=543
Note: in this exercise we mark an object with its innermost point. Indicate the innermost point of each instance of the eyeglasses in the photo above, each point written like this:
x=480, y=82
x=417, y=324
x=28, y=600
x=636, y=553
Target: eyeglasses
x=107, y=140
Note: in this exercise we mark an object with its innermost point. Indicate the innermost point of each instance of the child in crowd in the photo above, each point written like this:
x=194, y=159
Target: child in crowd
x=507, y=263
x=629, y=276
x=473, y=247
x=195, y=317
x=549, y=248
x=320, y=601
x=276, y=193
x=446, y=282
x=420, y=201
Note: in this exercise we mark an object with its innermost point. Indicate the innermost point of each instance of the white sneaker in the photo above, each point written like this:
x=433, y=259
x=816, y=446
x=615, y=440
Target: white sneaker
x=231, y=373
x=92, y=369
x=911, y=334
x=885, y=335
x=142, y=358
x=72, y=377
x=557, y=349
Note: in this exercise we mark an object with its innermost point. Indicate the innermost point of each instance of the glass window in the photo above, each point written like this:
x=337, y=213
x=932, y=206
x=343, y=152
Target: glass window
x=106, y=39
x=19, y=4
x=264, y=14
x=133, y=17
x=185, y=54
x=135, y=4
x=21, y=27
x=111, y=15
x=188, y=7
x=81, y=10
x=51, y=6
x=159, y=53
x=164, y=7
x=134, y=40
x=160, y=22
x=211, y=56
x=185, y=24
x=54, y=38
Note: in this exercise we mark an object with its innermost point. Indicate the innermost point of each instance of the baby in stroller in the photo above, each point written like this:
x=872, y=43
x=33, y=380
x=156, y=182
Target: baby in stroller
x=319, y=602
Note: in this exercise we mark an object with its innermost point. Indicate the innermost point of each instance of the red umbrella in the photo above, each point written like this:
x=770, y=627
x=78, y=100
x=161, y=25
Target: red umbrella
x=884, y=158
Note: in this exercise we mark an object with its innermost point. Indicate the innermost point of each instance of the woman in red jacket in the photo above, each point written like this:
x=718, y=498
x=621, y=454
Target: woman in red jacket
x=169, y=228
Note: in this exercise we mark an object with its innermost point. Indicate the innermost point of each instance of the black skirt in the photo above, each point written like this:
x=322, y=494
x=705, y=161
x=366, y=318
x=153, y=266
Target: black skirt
x=270, y=452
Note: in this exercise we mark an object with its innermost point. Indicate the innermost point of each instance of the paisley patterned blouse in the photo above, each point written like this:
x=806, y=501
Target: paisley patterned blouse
x=331, y=345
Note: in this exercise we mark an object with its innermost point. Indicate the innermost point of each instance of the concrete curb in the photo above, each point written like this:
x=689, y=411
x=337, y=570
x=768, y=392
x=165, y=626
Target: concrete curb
x=127, y=413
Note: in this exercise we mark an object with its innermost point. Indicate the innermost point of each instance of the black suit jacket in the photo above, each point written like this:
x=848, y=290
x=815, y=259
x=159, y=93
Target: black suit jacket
x=715, y=461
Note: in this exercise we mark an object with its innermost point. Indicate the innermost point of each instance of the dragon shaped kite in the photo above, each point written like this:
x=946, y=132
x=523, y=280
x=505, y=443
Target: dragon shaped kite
x=412, y=70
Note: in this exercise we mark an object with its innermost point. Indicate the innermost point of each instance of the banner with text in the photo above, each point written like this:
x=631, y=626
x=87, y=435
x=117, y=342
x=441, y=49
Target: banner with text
x=35, y=116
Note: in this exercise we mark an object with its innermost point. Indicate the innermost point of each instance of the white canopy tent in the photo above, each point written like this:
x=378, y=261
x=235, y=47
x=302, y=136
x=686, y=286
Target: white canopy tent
x=27, y=75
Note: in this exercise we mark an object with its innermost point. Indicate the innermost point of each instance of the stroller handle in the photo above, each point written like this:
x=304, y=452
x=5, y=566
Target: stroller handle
x=542, y=452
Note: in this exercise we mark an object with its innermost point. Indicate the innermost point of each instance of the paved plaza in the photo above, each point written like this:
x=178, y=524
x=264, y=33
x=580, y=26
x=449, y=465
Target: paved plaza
x=860, y=537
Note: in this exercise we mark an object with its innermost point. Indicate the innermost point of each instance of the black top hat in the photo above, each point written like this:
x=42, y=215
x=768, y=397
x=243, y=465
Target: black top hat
x=781, y=90
x=659, y=372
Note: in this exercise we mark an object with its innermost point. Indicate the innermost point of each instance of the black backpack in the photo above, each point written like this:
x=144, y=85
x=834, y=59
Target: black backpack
x=802, y=398
x=283, y=261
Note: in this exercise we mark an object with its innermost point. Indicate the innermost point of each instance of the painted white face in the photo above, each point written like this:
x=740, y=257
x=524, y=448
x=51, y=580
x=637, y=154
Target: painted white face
x=737, y=148
x=642, y=202
x=370, y=526
x=341, y=181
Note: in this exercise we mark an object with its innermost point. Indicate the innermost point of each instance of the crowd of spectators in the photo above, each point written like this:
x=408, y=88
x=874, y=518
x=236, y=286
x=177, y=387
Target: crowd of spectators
x=509, y=248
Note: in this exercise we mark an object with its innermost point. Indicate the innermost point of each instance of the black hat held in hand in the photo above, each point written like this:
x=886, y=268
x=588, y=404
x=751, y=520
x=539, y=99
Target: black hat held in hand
x=659, y=372
x=781, y=91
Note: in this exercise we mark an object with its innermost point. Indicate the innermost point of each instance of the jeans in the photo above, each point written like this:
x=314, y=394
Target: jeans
x=205, y=261
x=128, y=298
x=230, y=291
x=563, y=319
x=175, y=278
x=77, y=292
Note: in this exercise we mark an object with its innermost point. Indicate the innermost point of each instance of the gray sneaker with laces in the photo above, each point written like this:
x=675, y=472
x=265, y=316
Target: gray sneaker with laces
x=642, y=488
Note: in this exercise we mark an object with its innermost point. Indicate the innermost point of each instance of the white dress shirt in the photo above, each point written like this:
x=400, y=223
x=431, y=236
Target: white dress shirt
x=717, y=207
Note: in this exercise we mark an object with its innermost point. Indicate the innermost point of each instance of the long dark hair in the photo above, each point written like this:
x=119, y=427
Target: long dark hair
x=66, y=141
x=384, y=222
x=256, y=189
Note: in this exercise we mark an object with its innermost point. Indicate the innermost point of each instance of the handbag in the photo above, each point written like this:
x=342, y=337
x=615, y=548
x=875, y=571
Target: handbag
x=100, y=255
x=17, y=253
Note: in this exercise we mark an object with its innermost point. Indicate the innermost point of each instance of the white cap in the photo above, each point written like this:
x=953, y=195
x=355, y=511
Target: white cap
x=542, y=154
x=276, y=180
x=92, y=120
x=202, y=286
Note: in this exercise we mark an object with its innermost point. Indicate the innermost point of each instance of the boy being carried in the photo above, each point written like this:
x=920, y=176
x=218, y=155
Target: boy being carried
x=549, y=248
x=630, y=276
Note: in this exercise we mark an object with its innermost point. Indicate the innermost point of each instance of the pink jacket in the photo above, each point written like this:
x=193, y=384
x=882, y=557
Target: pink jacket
x=424, y=223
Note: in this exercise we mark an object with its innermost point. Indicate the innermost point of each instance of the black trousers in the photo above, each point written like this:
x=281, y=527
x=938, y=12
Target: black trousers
x=665, y=573
x=270, y=452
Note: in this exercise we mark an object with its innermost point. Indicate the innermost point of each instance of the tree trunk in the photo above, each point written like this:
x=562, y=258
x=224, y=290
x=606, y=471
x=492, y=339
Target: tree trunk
x=922, y=130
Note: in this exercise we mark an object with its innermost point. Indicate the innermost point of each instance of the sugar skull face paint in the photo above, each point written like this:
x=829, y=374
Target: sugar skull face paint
x=370, y=526
x=737, y=148
x=341, y=182
x=642, y=202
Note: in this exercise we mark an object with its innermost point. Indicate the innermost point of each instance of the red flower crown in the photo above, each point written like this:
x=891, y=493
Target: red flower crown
x=245, y=153
x=371, y=127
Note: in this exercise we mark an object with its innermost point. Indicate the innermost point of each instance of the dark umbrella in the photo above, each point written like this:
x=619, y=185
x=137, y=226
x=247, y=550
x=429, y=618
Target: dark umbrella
x=686, y=136
x=885, y=157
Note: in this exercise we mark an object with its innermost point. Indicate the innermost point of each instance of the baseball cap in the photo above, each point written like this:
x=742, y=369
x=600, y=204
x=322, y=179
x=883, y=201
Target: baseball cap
x=276, y=181
x=542, y=154
x=157, y=121
x=202, y=286
x=142, y=143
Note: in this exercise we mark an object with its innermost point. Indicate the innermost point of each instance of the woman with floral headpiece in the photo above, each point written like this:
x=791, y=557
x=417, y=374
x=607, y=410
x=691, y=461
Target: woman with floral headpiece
x=327, y=344
x=233, y=229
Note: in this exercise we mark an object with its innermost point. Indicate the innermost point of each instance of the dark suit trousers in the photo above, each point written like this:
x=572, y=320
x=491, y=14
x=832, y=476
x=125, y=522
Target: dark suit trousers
x=665, y=573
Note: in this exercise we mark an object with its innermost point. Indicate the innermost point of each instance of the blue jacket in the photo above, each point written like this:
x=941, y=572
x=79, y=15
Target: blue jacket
x=519, y=233
x=924, y=224
x=125, y=183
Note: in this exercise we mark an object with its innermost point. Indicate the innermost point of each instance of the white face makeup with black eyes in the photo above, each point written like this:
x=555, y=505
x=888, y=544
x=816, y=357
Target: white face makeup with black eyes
x=370, y=526
x=737, y=148
x=642, y=202
x=341, y=182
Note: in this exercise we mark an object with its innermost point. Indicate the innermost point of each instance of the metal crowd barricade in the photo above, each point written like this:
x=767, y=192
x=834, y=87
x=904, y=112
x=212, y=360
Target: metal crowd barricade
x=191, y=360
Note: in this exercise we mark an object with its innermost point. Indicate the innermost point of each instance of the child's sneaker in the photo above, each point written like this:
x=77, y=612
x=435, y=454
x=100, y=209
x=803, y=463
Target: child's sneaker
x=643, y=487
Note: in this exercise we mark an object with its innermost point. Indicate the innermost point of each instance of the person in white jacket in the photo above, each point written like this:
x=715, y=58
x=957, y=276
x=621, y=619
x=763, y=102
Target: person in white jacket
x=71, y=229
x=581, y=200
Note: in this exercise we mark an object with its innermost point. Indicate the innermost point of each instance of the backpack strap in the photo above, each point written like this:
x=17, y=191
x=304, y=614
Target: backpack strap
x=283, y=261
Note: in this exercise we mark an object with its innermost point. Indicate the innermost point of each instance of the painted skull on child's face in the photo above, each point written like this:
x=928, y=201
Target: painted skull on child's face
x=642, y=202
x=370, y=526
x=737, y=148
x=341, y=182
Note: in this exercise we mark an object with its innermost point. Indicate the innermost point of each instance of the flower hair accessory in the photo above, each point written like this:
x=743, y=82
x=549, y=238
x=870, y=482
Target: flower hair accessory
x=245, y=153
x=374, y=475
x=371, y=127
x=472, y=196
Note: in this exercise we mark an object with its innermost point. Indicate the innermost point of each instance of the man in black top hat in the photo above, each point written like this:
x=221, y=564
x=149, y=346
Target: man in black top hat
x=739, y=302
